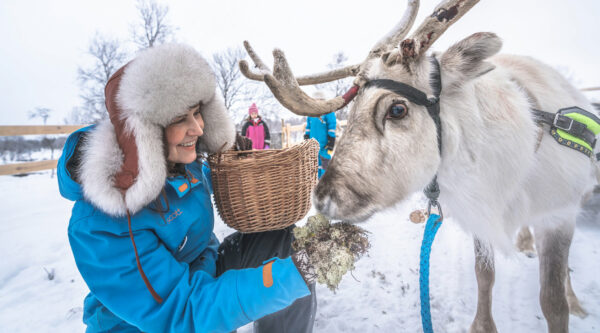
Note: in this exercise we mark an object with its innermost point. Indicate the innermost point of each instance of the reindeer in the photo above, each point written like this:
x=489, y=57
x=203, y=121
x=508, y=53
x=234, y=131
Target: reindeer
x=497, y=167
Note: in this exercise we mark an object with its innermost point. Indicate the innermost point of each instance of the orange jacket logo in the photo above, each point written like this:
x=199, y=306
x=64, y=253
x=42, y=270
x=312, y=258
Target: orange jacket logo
x=174, y=215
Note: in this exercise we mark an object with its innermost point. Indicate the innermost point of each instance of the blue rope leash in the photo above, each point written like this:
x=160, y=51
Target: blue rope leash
x=433, y=224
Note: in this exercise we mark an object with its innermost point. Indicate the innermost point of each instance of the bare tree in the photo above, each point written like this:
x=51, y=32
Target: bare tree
x=337, y=87
x=77, y=116
x=108, y=56
x=40, y=112
x=152, y=28
x=229, y=80
x=238, y=92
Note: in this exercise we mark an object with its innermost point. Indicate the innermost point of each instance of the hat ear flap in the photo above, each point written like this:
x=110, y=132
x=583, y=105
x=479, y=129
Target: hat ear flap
x=219, y=132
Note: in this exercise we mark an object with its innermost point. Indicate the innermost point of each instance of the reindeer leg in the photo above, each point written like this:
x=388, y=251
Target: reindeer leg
x=575, y=307
x=553, y=251
x=525, y=242
x=484, y=270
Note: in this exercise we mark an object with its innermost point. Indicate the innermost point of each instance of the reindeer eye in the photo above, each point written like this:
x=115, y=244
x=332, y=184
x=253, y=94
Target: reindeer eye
x=397, y=111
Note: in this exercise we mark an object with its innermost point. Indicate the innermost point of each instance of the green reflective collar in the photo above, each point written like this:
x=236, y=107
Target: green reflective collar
x=565, y=137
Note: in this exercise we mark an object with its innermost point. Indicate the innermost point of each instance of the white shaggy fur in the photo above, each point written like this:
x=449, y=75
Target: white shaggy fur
x=100, y=160
x=160, y=84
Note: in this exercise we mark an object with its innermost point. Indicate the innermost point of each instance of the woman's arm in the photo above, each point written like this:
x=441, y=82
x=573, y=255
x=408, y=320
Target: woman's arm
x=191, y=302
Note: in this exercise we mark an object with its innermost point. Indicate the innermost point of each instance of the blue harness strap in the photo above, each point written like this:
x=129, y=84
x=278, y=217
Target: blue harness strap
x=433, y=224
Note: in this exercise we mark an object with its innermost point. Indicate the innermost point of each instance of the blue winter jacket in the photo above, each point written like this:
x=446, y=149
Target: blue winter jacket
x=178, y=251
x=320, y=128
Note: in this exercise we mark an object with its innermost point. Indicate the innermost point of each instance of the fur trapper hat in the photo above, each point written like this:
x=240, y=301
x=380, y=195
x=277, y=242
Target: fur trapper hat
x=123, y=164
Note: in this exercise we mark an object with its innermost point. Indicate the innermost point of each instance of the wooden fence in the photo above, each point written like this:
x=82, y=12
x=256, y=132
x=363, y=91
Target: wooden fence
x=18, y=168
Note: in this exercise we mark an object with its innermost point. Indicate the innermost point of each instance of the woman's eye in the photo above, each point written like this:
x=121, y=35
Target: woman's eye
x=397, y=111
x=197, y=113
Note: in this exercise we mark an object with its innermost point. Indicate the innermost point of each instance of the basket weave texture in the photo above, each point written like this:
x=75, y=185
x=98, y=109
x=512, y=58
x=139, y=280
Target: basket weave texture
x=263, y=190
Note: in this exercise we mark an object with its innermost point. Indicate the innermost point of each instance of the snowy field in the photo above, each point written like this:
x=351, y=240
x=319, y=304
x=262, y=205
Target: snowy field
x=380, y=296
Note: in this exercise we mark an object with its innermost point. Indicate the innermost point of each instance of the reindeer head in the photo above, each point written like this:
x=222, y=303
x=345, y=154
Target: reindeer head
x=391, y=147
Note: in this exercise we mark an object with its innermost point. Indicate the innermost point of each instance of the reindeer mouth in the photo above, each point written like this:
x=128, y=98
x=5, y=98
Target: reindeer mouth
x=352, y=206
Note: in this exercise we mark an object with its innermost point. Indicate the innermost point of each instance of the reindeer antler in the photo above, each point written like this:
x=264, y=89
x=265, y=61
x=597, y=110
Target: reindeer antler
x=443, y=16
x=392, y=38
x=286, y=87
x=323, y=77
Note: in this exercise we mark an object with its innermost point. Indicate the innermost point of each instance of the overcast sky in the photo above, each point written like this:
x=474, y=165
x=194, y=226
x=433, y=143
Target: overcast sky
x=43, y=42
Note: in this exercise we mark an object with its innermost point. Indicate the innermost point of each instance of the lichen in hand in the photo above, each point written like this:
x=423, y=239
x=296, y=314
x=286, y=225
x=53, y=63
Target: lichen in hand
x=332, y=248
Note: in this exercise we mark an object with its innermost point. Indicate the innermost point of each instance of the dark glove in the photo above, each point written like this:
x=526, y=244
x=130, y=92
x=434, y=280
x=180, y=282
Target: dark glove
x=306, y=136
x=330, y=143
x=306, y=269
x=242, y=143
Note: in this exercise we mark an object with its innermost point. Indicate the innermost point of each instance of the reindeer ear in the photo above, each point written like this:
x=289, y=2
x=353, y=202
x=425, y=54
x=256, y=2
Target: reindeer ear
x=465, y=60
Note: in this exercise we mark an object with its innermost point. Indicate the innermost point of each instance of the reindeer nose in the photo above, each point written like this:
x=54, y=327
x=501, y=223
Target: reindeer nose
x=325, y=205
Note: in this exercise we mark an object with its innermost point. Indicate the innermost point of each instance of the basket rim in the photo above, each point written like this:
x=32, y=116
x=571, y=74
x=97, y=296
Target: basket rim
x=215, y=158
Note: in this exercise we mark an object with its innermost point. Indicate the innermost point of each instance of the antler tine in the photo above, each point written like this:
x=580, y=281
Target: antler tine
x=444, y=15
x=255, y=58
x=329, y=76
x=287, y=91
x=392, y=38
x=322, y=77
x=245, y=69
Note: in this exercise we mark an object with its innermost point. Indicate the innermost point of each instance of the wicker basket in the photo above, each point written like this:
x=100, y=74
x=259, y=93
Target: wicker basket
x=264, y=190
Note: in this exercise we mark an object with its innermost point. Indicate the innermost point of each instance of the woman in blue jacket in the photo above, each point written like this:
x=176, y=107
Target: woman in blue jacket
x=141, y=229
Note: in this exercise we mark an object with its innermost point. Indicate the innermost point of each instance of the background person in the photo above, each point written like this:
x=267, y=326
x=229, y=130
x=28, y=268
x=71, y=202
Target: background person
x=323, y=130
x=256, y=129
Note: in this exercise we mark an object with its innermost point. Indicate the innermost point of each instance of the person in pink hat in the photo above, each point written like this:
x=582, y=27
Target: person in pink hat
x=256, y=129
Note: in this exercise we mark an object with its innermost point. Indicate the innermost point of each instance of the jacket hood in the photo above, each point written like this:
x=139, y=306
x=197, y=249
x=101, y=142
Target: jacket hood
x=67, y=163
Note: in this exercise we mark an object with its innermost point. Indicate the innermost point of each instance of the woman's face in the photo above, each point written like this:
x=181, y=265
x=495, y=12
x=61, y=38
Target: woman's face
x=253, y=115
x=182, y=135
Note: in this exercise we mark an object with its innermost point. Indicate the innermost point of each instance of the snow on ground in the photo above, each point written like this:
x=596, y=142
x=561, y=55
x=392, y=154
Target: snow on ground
x=381, y=295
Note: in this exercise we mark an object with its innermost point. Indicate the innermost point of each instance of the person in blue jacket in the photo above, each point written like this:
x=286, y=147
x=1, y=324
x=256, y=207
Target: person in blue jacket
x=141, y=229
x=323, y=130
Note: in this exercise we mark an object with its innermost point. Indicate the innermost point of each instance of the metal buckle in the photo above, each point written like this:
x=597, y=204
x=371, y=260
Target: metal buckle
x=435, y=203
x=556, y=119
